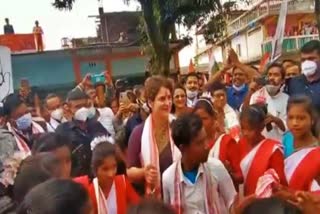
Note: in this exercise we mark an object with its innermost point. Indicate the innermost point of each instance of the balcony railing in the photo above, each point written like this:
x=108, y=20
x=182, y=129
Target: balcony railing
x=290, y=44
x=266, y=8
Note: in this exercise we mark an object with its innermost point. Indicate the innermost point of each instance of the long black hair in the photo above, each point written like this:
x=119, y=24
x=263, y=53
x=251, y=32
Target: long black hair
x=99, y=153
x=176, y=87
x=49, y=142
x=271, y=206
x=55, y=196
x=205, y=104
x=255, y=115
x=306, y=102
x=33, y=171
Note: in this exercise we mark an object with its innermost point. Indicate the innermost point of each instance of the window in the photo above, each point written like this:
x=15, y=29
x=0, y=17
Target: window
x=238, y=49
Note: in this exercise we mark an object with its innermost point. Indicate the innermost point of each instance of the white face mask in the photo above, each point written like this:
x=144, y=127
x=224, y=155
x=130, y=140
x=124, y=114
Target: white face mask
x=239, y=88
x=191, y=94
x=91, y=112
x=24, y=122
x=57, y=114
x=272, y=89
x=309, y=68
x=81, y=114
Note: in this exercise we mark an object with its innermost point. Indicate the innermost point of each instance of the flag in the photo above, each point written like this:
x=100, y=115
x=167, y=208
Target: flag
x=191, y=67
x=264, y=61
x=278, y=38
x=213, y=65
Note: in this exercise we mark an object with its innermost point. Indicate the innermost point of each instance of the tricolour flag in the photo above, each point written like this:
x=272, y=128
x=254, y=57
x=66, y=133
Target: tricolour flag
x=278, y=37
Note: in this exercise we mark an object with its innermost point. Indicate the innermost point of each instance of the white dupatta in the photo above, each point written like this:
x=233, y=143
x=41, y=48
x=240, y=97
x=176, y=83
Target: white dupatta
x=22, y=145
x=104, y=205
x=149, y=150
x=292, y=163
x=232, y=125
x=215, y=150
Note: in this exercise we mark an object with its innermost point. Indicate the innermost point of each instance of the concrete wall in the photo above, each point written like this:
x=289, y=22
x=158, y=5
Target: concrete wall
x=56, y=71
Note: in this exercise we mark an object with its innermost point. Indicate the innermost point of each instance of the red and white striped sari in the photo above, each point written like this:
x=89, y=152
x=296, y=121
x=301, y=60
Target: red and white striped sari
x=150, y=153
x=220, y=147
x=22, y=145
x=256, y=163
x=301, y=169
x=232, y=125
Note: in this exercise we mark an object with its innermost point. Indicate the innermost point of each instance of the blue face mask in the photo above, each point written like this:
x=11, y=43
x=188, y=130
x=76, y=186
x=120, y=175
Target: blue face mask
x=24, y=122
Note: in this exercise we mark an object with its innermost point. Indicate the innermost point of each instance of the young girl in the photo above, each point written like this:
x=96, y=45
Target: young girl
x=302, y=168
x=109, y=193
x=257, y=153
x=222, y=146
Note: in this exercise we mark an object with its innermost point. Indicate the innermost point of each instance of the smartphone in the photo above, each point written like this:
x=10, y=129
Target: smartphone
x=98, y=79
x=124, y=98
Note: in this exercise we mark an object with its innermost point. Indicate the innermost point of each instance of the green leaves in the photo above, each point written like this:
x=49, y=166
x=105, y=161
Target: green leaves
x=63, y=4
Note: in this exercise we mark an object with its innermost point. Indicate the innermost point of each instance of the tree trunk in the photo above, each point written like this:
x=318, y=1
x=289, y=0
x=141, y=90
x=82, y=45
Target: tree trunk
x=161, y=64
x=317, y=14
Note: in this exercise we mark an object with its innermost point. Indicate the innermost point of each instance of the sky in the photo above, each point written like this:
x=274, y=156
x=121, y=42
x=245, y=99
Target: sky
x=57, y=24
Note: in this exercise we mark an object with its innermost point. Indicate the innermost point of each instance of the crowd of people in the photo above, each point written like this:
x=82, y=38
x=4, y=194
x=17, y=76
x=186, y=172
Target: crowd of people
x=171, y=145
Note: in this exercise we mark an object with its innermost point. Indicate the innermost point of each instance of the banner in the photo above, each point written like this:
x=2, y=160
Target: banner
x=278, y=37
x=19, y=42
x=6, y=84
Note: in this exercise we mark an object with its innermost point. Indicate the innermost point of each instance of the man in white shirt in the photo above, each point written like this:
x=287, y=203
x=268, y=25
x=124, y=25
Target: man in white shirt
x=276, y=101
x=193, y=184
x=192, y=89
x=53, y=105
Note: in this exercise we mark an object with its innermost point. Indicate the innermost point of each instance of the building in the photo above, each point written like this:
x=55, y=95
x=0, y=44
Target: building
x=116, y=48
x=251, y=33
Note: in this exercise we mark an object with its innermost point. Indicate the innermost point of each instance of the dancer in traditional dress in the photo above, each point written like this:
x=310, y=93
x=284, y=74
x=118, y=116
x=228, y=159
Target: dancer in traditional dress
x=258, y=154
x=222, y=146
x=109, y=193
x=302, y=168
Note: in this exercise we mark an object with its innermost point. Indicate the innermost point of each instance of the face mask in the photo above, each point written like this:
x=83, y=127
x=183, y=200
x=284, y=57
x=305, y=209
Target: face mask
x=24, y=122
x=191, y=94
x=81, y=114
x=57, y=114
x=272, y=89
x=91, y=112
x=239, y=88
x=309, y=68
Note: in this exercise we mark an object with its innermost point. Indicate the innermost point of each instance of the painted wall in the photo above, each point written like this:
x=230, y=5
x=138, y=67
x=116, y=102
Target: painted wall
x=254, y=41
x=239, y=44
x=56, y=71
x=218, y=54
x=49, y=69
x=5, y=72
x=129, y=67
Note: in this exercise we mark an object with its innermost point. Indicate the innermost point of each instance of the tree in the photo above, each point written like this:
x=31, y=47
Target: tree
x=160, y=18
x=317, y=13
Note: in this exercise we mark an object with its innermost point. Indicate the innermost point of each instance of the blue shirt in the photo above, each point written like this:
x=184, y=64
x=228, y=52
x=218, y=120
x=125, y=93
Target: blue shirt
x=235, y=98
x=288, y=144
x=191, y=175
x=300, y=86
